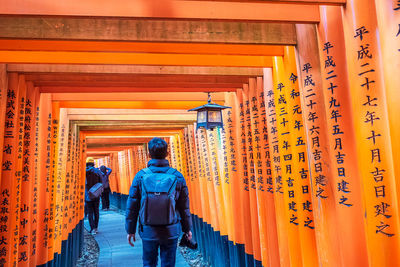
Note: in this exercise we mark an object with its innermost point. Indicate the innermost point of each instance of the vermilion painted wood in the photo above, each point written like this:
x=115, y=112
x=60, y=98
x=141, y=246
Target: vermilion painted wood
x=174, y=9
x=350, y=218
x=58, y=57
x=141, y=47
x=382, y=246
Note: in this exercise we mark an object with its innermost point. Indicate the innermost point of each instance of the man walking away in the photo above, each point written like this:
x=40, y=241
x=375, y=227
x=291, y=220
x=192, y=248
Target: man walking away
x=159, y=197
x=93, y=176
x=105, y=196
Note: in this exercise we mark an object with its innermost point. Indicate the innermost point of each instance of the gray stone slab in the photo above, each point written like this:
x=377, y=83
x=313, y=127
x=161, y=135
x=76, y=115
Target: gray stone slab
x=114, y=248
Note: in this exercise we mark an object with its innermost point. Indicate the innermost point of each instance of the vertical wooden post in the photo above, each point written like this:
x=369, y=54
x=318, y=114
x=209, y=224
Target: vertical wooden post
x=300, y=164
x=290, y=186
x=388, y=15
x=281, y=215
x=272, y=254
x=27, y=222
x=371, y=122
x=44, y=178
x=243, y=160
x=336, y=90
x=231, y=129
x=325, y=216
x=3, y=103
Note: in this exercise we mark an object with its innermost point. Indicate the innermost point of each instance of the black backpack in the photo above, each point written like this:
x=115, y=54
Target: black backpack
x=157, y=205
x=94, y=188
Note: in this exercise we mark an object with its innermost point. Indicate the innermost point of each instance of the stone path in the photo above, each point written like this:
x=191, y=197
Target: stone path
x=114, y=248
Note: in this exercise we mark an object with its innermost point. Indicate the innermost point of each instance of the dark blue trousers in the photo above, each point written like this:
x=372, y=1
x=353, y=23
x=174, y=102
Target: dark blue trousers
x=93, y=213
x=167, y=252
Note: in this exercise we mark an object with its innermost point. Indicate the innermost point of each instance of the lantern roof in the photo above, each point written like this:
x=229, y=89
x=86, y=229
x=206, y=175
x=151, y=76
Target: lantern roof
x=209, y=106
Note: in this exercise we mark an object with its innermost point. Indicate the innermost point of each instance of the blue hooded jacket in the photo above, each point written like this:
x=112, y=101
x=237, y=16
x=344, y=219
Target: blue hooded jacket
x=148, y=232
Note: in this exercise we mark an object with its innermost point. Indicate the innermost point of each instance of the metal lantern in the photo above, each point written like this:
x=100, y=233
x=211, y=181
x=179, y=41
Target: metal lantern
x=209, y=115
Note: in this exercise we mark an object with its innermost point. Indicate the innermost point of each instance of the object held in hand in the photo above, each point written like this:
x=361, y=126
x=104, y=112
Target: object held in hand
x=187, y=243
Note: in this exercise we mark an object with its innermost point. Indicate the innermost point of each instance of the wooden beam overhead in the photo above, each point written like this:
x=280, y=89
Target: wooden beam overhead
x=186, y=105
x=142, y=47
x=113, y=89
x=135, y=78
x=119, y=141
x=109, y=148
x=121, y=89
x=93, y=111
x=96, y=96
x=134, y=59
x=318, y=2
x=188, y=118
x=145, y=30
x=171, y=9
x=134, y=69
x=136, y=133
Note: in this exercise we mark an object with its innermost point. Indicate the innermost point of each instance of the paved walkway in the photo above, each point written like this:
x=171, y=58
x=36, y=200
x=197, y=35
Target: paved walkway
x=114, y=248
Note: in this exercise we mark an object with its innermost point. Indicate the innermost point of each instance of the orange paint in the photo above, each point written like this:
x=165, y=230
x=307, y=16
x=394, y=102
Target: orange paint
x=173, y=9
x=349, y=207
x=323, y=183
x=132, y=58
x=270, y=249
x=285, y=157
x=141, y=47
x=231, y=127
x=388, y=15
x=280, y=207
x=44, y=177
x=251, y=167
x=300, y=166
x=245, y=184
x=371, y=118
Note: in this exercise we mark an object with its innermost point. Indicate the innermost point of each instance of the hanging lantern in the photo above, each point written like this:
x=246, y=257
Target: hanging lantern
x=209, y=115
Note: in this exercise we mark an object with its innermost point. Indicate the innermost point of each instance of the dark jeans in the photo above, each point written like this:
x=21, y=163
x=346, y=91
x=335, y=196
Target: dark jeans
x=93, y=213
x=105, y=198
x=167, y=252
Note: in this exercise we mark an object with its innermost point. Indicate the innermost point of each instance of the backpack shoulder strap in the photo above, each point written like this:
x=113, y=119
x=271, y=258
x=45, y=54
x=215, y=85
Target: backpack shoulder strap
x=147, y=170
x=171, y=171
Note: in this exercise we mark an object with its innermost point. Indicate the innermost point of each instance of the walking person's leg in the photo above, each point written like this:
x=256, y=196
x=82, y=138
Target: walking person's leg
x=103, y=200
x=90, y=212
x=107, y=198
x=96, y=205
x=168, y=252
x=150, y=253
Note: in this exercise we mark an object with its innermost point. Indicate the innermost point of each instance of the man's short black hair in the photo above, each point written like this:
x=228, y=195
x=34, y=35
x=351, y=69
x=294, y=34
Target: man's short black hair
x=158, y=148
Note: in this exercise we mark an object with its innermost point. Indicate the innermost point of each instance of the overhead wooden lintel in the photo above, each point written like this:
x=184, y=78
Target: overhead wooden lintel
x=143, y=118
x=134, y=104
x=120, y=141
x=169, y=9
x=138, y=79
x=141, y=47
x=127, y=96
x=121, y=89
x=109, y=148
x=137, y=133
x=145, y=30
x=94, y=111
x=134, y=69
x=318, y=2
x=134, y=59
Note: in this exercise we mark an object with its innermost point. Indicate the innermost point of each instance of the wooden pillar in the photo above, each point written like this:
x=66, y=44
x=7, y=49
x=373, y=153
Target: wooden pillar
x=372, y=130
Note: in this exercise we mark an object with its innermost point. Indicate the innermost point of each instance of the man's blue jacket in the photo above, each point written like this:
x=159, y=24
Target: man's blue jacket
x=148, y=232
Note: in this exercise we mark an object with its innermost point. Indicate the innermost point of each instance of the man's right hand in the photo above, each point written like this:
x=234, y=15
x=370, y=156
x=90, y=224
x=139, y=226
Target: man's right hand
x=189, y=235
x=131, y=237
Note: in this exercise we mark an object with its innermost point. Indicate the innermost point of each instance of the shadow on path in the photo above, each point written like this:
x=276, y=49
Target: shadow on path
x=114, y=248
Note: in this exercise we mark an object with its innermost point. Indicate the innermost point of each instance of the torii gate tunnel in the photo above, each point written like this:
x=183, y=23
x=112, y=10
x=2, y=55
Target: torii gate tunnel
x=304, y=171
